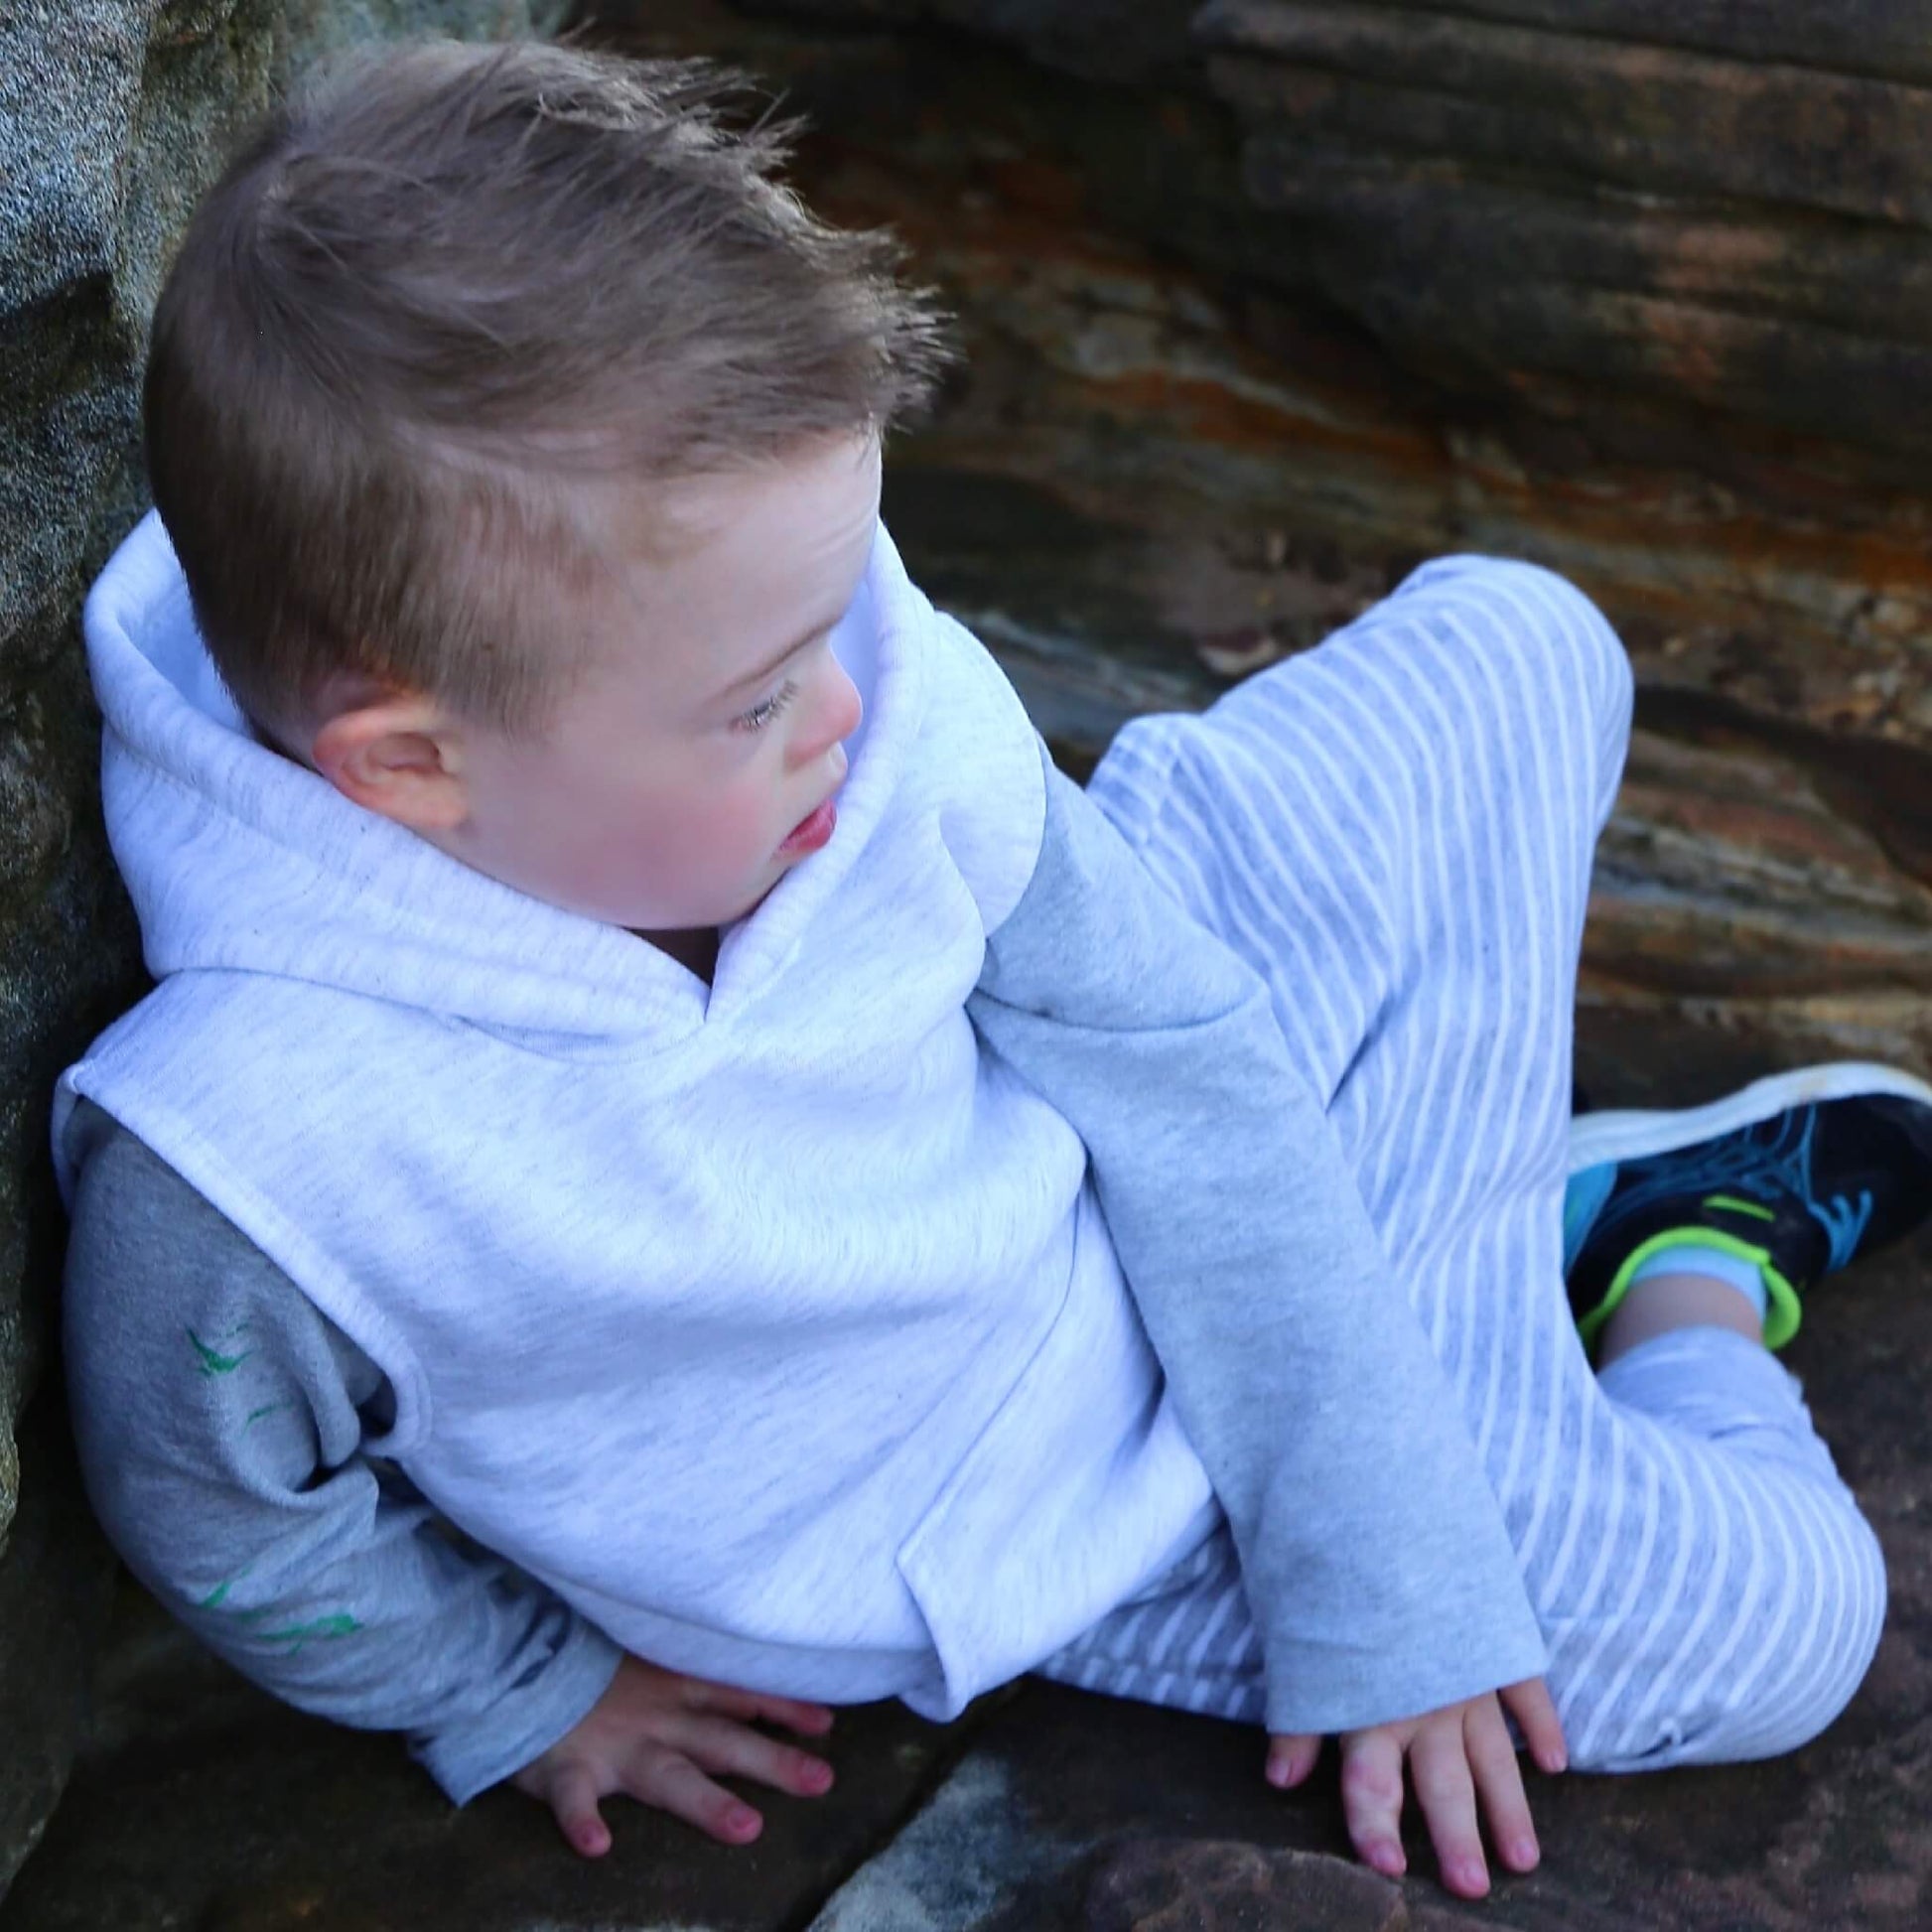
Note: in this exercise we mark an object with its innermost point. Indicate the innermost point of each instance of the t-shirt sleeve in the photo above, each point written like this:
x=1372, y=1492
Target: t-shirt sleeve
x=1373, y=1551
x=220, y=1420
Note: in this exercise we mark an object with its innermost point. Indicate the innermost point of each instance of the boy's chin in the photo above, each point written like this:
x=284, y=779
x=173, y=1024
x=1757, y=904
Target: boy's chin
x=730, y=913
x=757, y=899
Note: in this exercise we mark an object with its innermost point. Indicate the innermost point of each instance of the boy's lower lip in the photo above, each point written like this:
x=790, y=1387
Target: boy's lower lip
x=812, y=832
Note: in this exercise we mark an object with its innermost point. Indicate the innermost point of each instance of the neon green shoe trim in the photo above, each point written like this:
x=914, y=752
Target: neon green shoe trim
x=1736, y=1206
x=1783, y=1311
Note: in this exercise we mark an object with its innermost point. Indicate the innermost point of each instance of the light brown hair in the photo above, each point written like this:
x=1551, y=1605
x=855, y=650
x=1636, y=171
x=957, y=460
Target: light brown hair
x=439, y=287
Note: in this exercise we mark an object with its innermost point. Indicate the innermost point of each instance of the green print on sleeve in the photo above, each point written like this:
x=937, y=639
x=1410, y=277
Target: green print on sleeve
x=295, y=1635
x=211, y=1361
x=212, y=1600
x=342, y=1624
x=219, y=1594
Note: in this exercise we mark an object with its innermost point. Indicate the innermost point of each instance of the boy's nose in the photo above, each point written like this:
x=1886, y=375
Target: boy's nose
x=836, y=715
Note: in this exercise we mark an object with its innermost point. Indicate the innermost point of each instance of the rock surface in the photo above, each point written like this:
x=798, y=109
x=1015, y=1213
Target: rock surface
x=1710, y=205
x=1207, y=1884
x=113, y=116
x=55, y=1585
x=1721, y=219
x=202, y=1802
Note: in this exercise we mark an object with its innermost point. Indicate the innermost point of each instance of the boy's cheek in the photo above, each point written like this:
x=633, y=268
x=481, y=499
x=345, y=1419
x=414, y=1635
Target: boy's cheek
x=678, y=862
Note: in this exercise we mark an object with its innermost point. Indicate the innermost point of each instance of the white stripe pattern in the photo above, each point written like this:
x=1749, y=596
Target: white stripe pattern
x=1397, y=830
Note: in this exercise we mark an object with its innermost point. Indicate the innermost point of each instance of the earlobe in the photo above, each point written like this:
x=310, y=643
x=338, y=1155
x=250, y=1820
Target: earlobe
x=398, y=756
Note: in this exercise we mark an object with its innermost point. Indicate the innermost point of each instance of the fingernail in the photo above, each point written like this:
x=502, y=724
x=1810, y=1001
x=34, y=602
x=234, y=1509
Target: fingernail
x=1523, y=1854
x=743, y=1819
x=1276, y=1773
x=819, y=1776
x=1472, y=1878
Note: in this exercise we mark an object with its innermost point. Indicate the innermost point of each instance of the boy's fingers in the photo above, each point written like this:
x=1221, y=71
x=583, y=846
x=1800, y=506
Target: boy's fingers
x=1371, y=1799
x=1531, y=1705
x=1438, y=1762
x=732, y=1749
x=1499, y=1784
x=808, y=1720
x=674, y=1784
x=1291, y=1759
x=573, y=1798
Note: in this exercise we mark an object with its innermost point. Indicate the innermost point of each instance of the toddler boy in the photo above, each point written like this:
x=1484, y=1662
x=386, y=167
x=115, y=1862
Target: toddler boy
x=644, y=1045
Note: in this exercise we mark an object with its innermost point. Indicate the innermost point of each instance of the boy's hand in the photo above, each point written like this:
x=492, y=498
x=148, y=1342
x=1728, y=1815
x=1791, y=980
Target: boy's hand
x=654, y=1734
x=1455, y=1755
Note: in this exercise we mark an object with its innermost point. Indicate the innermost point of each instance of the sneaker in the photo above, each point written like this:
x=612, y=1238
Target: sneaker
x=1798, y=1175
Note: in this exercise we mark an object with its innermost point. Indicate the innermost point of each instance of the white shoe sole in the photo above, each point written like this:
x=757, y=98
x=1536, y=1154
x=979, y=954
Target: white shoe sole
x=1634, y=1132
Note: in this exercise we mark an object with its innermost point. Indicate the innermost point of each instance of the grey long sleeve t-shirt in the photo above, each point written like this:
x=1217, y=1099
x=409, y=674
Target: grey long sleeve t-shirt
x=220, y=1420
x=1374, y=1553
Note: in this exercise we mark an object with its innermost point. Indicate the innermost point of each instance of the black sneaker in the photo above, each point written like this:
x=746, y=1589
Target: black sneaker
x=1798, y=1173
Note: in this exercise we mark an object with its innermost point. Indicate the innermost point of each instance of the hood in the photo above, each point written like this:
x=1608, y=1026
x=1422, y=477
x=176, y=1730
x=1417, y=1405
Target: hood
x=240, y=860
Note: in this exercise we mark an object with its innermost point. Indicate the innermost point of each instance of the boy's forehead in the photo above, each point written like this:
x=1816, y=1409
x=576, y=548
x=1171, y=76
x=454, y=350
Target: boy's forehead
x=801, y=518
x=740, y=557
x=814, y=495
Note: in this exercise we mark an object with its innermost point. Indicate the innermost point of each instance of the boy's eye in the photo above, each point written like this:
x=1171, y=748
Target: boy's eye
x=761, y=714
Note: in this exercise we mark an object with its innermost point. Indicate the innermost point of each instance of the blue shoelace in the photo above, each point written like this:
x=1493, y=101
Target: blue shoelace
x=1767, y=1169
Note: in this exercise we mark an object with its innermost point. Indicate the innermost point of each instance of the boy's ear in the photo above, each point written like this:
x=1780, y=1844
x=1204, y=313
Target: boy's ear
x=398, y=755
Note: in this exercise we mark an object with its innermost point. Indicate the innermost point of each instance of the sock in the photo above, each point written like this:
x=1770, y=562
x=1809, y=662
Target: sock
x=1689, y=1258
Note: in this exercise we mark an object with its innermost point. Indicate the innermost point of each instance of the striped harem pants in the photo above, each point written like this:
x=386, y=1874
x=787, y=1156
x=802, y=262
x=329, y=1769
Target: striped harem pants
x=1397, y=830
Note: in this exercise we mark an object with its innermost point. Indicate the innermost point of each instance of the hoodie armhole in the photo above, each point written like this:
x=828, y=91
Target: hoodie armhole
x=199, y=1164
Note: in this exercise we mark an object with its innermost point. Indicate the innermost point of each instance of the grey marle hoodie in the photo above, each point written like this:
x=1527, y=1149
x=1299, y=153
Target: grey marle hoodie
x=1368, y=1605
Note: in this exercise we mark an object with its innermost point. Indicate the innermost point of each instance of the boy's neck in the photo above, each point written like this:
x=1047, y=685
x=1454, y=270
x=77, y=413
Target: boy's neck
x=695, y=950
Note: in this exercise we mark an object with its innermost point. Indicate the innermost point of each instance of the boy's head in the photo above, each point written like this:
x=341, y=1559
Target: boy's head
x=510, y=420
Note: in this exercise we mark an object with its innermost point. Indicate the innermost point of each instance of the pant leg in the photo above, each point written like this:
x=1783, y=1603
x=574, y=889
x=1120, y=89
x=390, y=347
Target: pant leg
x=1397, y=830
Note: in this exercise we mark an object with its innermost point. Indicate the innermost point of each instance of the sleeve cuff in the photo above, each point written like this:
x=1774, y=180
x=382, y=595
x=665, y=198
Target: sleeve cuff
x=473, y=1754
x=1312, y=1692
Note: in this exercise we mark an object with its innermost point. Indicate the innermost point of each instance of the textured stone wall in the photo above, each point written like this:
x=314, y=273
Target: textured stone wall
x=114, y=114
x=1685, y=201
x=1711, y=205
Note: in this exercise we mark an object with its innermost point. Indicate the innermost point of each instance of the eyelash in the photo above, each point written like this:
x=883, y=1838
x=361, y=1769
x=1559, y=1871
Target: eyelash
x=763, y=714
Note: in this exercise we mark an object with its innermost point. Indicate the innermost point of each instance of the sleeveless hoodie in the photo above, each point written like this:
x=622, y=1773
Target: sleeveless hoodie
x=771, y=1323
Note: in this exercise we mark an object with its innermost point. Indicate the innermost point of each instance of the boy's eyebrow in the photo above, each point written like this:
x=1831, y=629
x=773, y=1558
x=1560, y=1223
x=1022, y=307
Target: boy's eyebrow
x=791, y=651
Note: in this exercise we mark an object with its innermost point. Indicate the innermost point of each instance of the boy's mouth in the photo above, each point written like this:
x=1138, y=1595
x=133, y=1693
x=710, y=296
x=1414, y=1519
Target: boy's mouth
x=813, y=831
